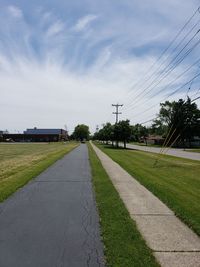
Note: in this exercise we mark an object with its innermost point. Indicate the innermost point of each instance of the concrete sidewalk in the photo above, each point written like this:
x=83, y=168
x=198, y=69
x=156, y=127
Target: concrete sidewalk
x=53, y=221
x=176, y=152
x=172, y=242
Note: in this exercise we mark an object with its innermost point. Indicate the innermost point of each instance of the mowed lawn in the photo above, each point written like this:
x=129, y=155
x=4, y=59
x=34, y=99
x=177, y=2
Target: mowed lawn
x=196, y=150
x=174, y=180
x=21, y=162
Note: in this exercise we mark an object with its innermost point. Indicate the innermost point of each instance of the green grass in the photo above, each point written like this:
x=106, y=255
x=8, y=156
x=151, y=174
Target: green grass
x=19, y=163
x=175, y=181
x=124, y=246
x=143, y=144
x=196, y=150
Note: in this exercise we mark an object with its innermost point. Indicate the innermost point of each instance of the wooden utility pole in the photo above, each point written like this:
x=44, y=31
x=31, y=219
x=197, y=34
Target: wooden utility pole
x=117, y=110
x=117, y=116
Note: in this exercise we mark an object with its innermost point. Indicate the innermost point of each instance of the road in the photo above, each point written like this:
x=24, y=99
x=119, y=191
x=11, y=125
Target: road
x=172, y=151
x=52, y=221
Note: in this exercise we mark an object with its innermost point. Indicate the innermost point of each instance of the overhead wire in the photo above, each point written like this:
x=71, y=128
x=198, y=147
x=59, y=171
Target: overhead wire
x=172, y=82
x=166, y=71
x=167, y=96
x=163, y=77
x=164, y=52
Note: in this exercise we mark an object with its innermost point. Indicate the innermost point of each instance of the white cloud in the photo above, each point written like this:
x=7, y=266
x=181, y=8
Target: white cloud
x=46, y=95
x=55, y=28
x=83, y=22
x=15, y=11
x=73, y=78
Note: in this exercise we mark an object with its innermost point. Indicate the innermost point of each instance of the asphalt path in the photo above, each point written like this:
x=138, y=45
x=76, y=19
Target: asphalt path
x=172, y=151
x=53, y=221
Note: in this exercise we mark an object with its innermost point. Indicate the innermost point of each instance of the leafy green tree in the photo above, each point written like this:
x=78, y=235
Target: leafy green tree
x=139, y=131
x=158, y=128
x=81, y=132
x=122, y=132
x=182, y=120
x=105, y=134
x=108, y=132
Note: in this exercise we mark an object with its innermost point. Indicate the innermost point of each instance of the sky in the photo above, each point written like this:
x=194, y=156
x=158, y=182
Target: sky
x=64, y=63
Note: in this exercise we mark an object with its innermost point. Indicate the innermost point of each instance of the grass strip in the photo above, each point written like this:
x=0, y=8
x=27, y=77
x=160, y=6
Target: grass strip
x=123, y=244
x=21, y=176
x=196, y=150
x=175, y=181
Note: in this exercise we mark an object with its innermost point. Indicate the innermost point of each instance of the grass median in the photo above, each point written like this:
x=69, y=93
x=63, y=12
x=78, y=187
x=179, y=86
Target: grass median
x=19, y=163
x=124, y=246
x=196, y=150
x=175, y=181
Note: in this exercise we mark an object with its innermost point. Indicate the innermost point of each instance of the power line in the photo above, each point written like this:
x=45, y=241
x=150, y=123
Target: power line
x=166, y=49
x=167, y=70
x=178, y=89
x=147, y=121
x=171, y=83
x=195, y=99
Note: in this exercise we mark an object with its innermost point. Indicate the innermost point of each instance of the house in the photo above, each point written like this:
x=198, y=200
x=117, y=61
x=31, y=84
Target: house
x=155, y=140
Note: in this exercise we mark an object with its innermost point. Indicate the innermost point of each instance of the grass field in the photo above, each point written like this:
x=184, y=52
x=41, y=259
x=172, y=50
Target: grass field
x=124, y=246
x=143, y=144
x=175, y=181
x=21, y=162
x=196, y=150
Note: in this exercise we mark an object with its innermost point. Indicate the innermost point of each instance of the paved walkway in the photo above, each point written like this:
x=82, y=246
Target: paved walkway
x=52, y=221
x=172, y=151
x=173, y=243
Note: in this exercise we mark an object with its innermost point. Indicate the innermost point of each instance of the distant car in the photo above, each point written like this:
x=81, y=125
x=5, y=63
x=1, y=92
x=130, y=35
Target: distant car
x=83, y=141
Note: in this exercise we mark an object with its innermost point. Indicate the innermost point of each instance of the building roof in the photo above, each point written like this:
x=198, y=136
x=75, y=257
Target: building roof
x=44, y=131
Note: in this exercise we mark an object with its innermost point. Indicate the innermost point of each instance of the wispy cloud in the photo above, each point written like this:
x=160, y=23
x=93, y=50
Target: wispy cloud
x=84, y=22
x=55, y=28
x=50, y=65
x=15, y=11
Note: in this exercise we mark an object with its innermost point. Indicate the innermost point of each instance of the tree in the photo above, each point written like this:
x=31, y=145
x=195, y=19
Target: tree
x=182, y=120
x=81, y=132
x=122, y=132
x=138, y=132
x=105, y=134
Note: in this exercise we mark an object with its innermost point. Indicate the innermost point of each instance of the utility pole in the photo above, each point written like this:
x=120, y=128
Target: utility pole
x=117, y=113
x=117, y=110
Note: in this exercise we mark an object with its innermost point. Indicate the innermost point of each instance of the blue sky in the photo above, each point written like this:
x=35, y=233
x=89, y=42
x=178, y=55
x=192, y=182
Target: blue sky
x=66, y=62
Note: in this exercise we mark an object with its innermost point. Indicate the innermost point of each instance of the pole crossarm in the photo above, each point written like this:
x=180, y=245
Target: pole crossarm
x=117, y=110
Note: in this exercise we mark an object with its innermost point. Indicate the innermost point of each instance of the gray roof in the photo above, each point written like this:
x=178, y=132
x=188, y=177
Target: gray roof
x=43, y=131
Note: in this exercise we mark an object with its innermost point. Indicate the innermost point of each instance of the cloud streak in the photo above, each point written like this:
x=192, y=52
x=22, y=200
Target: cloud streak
x=15, y=11
x=84, y=22
x=55, y=29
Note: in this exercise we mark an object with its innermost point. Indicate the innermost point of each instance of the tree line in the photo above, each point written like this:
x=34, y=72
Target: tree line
x=177, y=122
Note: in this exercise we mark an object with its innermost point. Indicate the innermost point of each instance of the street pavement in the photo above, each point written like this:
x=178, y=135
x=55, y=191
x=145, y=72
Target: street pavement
x=53, y=221
x=173, y=243
x=172, y=151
